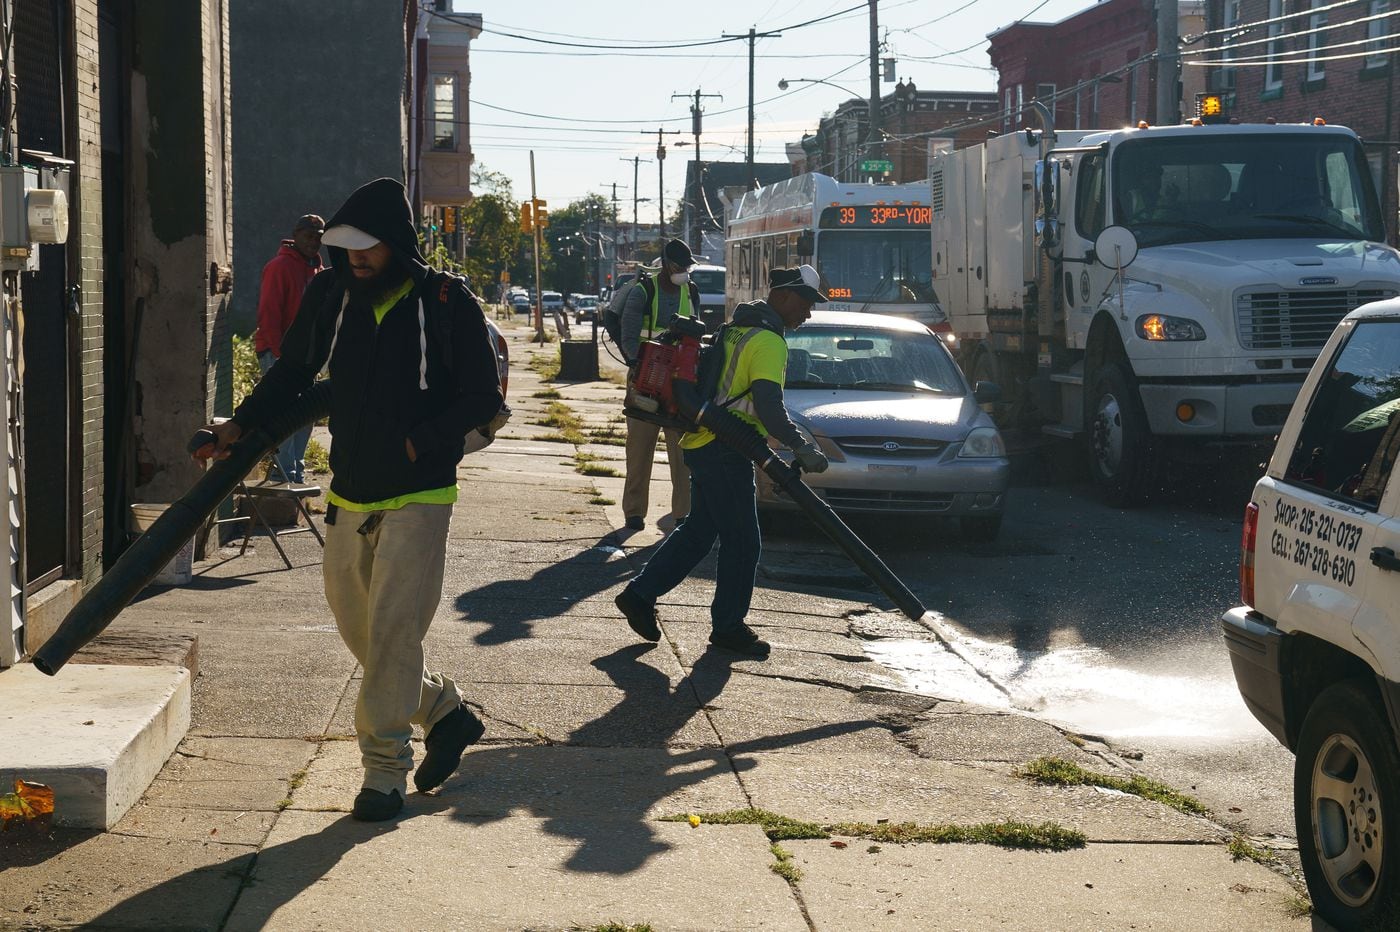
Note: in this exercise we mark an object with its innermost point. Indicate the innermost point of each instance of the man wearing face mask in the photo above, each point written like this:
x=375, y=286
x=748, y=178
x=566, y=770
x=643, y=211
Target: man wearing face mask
x=724, y=505
x=648, y=312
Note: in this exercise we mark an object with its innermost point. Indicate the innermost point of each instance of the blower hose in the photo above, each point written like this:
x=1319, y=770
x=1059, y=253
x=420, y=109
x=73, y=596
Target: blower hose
x=738, y=434
x=134, y=570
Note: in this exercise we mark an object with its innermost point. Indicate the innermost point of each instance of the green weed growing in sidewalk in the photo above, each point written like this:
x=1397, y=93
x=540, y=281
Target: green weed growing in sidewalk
x=567, y=424
x=318, y=458
x=589, y=465
x=782, y=865
x=1298, y=906
x=1046, y=836
x=1056, y=771
x=1242, y=850
x=545, y=365
x=547, y=393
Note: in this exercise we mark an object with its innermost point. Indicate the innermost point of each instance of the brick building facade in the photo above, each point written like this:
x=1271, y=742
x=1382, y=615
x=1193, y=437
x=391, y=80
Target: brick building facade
x=125, y=346
x=1094, y=69
x=1280, y=72
x=912, y=121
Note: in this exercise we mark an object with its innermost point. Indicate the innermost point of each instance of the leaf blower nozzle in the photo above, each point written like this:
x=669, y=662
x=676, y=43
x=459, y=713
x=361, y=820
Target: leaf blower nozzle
x=134, y=570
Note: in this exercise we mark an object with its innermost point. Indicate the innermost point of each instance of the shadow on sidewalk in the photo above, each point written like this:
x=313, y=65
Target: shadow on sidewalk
x=511, y=606
x=607, y=821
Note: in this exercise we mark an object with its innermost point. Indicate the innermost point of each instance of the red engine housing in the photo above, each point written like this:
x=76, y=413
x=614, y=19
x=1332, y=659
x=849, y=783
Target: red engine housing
x=658, y=363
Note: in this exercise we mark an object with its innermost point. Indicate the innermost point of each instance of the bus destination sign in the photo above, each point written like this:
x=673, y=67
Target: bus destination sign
x=876, y=216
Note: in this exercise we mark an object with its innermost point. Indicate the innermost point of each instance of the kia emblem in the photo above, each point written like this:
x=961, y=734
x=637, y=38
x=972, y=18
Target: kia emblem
x=891, y=446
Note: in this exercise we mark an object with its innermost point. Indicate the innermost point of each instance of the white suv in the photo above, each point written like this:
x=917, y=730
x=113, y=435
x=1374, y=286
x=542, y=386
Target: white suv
x=1316, y=645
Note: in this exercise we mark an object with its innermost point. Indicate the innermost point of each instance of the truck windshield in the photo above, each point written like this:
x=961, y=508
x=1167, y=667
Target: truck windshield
x=881, y=266
x=1249, y=186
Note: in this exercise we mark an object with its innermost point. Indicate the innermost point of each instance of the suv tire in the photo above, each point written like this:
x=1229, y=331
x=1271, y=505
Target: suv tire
x=1346, y=805
x=1121, y=451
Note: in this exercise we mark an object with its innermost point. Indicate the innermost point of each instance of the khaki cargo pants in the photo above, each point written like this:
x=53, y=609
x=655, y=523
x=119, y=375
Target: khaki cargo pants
x=383, y=587
x=641, y=450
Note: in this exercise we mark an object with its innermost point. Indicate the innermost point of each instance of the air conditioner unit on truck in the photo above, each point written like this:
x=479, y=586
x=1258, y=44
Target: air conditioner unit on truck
x=1153, y=290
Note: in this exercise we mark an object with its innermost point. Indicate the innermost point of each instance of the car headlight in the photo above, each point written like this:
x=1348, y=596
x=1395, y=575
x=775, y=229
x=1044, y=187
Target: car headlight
x=1161, y=328
x=983, y=442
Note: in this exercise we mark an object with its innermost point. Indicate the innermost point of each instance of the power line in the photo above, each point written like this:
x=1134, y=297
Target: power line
x=1302, y=58
x=1302, y=33
x=627, y=54
x=1239, y=27
x=1309, y=51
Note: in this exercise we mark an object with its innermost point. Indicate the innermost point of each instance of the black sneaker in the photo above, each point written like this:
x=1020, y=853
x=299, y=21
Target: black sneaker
x=741, y=640
x=374, y=806
x=636, y=523
x=641, y=614
x=444, y=746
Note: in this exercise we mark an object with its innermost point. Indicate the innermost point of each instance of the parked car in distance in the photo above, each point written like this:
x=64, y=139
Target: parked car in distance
x=521, y=303
x=551, y=301
x=1315, y=644
x=709, y=279
x=904, y=432
x=585, y=307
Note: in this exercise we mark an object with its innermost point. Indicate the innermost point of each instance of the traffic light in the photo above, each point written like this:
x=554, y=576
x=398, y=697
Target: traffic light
x=449, y=220
x=527, y=221
x=1210, y=108
x=541, y=215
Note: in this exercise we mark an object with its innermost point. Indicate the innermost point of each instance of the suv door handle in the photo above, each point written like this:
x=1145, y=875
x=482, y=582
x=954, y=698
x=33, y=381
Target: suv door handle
x=1385, y=558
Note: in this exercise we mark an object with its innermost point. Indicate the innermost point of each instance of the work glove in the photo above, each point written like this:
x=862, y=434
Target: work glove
x=810, y=459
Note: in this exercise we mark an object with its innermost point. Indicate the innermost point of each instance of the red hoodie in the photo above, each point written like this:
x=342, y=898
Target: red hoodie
x=283, y=281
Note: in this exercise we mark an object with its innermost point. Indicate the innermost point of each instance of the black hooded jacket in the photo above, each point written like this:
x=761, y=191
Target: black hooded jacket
x=426, y=373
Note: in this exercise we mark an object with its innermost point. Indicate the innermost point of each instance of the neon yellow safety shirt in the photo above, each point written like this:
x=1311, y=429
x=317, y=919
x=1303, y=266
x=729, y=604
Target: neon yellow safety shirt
x=764, y=356
x=444, y=496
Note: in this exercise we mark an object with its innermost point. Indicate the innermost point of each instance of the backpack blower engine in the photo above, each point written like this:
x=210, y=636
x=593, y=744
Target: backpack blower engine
x=673, y=384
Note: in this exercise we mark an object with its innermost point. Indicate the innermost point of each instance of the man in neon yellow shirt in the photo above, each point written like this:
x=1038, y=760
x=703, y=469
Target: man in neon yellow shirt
x=413, y=370
x=722, y=496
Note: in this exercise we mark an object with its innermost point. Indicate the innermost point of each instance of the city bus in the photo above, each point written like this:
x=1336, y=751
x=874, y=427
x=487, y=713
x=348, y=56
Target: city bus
x=871, y=244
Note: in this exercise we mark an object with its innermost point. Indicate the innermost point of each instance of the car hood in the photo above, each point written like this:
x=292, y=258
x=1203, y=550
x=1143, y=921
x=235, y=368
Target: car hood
x=844, y=413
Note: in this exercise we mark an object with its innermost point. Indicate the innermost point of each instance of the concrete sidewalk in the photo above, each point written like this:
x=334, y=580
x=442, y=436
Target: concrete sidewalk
x=556, y=820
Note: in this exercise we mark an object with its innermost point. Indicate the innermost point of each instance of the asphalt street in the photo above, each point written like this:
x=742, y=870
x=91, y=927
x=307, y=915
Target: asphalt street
x=1100, y=619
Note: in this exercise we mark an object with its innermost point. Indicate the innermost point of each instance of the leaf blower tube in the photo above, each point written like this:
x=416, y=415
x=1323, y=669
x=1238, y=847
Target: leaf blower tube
x=734, y=432
x=155, y=548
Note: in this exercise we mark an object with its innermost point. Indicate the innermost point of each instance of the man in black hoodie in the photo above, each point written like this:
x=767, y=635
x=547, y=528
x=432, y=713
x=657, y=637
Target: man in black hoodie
x=414, y=370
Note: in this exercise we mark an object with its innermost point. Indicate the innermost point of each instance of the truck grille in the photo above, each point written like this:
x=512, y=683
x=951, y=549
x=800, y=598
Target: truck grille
x=1271, y=320
x=902, y=446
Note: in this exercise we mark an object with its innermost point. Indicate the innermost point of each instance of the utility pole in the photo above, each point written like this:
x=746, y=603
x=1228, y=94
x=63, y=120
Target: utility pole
x=661, y=179
x=539, y=301
x=696, y=194
x=636, y=161
x=874, y=146
x=612, y=266
x=751, y=36
x=1168, y=63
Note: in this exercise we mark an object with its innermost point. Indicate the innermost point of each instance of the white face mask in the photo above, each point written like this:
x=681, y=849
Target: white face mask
x=680, y=278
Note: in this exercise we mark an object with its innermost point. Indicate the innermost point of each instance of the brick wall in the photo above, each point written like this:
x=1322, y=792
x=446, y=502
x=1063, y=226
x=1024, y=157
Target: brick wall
x=86, y=230
x=1356, y=92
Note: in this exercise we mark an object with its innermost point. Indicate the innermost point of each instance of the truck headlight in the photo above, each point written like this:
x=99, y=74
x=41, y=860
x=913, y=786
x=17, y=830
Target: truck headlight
x=982, y=443
x=1161, y=328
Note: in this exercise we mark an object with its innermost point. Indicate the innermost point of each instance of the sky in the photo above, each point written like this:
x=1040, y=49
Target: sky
x=591, y=109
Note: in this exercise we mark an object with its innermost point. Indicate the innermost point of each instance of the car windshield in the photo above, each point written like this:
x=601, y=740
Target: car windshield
x=587, y=302
x=1248, y=186
x=871, y=359
x=879, y=266
x=709, y=281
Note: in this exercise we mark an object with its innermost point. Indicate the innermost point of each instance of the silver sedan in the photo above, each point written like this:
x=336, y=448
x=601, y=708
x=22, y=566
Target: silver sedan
x=904, y=432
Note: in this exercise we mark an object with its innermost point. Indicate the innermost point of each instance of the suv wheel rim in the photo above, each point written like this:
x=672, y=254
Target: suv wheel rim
x=1347, y=820
x=1108, y=435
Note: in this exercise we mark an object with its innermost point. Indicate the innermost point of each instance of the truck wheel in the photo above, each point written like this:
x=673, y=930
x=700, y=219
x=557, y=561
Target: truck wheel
x=982, y=529
x=1120, y=445
x=1346, y=785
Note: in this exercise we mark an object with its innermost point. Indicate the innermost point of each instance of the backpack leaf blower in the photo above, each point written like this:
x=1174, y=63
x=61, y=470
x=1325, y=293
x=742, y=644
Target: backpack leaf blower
x=674, y=384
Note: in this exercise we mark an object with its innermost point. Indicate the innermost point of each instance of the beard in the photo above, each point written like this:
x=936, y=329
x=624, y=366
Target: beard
x=374, y=288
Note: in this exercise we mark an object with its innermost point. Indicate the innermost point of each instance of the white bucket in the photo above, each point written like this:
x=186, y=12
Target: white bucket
x=180, y=570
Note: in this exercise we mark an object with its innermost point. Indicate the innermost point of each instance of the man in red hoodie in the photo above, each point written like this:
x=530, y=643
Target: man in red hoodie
x=283, y=281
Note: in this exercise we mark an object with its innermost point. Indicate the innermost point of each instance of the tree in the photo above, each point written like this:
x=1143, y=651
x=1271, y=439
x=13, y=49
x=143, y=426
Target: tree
x=574, y=234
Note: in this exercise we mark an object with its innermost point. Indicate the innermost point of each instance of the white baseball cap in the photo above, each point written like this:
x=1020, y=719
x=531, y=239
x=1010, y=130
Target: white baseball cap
x=347, y=237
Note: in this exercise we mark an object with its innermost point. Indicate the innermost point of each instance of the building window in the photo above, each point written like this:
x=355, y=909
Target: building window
x=1230, y=20
x=1009, y=113
x=1377, y=30
x=1132, y=96
x=1273, y=71
x=445, y=112
x=1317, y=39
